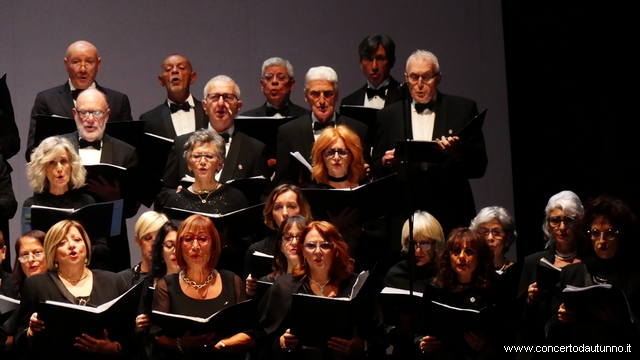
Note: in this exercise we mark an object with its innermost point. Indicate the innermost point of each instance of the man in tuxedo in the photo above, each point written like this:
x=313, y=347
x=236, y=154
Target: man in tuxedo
x=180, y=113
x=321, y=93
x=245, y=156
x=82, y=64
x=277, y=83
x=94, y=147
x=440, y=188
x=377, y=57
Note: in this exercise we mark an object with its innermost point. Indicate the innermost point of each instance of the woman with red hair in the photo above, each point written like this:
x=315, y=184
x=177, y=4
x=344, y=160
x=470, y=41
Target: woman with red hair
x=325, y=270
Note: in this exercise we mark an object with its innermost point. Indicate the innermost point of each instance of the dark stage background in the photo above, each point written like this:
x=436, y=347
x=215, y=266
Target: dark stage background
x=234, y=38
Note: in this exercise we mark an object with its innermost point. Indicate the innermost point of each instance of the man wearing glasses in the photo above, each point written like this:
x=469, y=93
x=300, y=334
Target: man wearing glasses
x=245, y=156
x=276, y=83
x=180, y=113
x=441, y=188
x=377, y=57
x=91, y=114
x=82, y=64
x=321, y=93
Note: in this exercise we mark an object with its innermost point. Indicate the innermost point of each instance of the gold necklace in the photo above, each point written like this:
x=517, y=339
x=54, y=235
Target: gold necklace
x=85, y=274
x=207, y=192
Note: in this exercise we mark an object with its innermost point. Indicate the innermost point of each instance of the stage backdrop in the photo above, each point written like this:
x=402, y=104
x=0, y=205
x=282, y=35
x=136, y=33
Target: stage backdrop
x=235, y=37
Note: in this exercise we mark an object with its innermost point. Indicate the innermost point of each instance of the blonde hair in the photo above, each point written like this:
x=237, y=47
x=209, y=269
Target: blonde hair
x=149, y=222
x=425, y=226
x=351, y=141
x=49, y=149
x=57, y=234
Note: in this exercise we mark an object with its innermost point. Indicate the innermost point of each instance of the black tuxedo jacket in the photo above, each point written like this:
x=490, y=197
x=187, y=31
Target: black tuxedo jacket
x=247, y=157
x=9, y=135
x=443, y=190
x=158, y=120
x=59, y=101
x=8, y=207
x=294, y=110
x=297, y=135
x=357, y=98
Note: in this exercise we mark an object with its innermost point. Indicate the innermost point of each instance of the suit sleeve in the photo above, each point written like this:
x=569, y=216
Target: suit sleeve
x=8, y=203
x=9, y=135
x=260, y=166
x=380, y=146
x=131, y=207
x=39, y=107
x=125, y=113
x=170, y=179
x=283, y=158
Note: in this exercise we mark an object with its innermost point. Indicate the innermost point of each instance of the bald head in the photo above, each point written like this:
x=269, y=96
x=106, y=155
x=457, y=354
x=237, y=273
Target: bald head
x=176, y=75
x=91, y=114
x=82, y=64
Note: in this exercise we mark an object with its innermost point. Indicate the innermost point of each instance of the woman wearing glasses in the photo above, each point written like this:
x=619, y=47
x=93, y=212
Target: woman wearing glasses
x=205, y=155
x=199, y=290
x=464, y=280
x=608, y=236
x=562, y=210
x=324, y=269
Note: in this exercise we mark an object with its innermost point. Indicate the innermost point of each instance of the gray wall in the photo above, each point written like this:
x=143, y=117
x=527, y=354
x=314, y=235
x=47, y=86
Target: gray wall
x=234, y=37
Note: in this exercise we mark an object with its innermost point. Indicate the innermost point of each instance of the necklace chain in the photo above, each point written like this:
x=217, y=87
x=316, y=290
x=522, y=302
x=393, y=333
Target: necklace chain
x=207, y=192
x=567, y=256
x=85, y=274
x=320, y=286
x=195, y=285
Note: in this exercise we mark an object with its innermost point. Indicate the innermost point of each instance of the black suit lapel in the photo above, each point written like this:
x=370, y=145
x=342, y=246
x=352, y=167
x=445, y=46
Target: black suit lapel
x=306, y=134
x=407, y=121
x=232, y=158
x=168, y=122
x=106, y=155
x=393, y=93
x=440, y=123
x=66, y=100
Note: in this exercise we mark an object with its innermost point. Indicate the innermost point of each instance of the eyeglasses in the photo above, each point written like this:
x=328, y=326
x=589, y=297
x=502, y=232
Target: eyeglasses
x=343, y=153
x=96, y=113
x=466, y=251
x=38, y=255
x=280, y=77
x=169, y=246
x=202, y=239
x=424, y=246
x=325, y=246
x=315, y=94
x=87, y=64
x=227, y=97
x=555, y=221
x=287, y=238
x=608, y=234
x=426, y=78
x=207, y=157
x=497, y=233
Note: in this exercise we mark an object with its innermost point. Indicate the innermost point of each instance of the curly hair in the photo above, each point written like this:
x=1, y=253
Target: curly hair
x=205, y=136
x=48, y=150
x=18, y=274
x=267, y=212
x=158, y=266
x=352, y=142
x=484, y=271
x=280, y=262
x=620, y=217
x=56, y=234
x=342, y=264
x=196, y=224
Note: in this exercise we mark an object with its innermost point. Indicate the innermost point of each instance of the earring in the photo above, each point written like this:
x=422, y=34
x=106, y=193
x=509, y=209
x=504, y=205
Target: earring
x=55, y=265
x=86, y=261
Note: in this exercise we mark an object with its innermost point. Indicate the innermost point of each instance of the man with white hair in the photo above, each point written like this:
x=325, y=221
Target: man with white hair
x=245, y=156
x=82, y=64
x=277, y=83
x=442, y=189
x=321, y=93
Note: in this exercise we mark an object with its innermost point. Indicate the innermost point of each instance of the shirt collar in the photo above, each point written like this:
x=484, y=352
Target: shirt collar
x=92, y=86
x=313, y=117
x=384, y=83
x=189, y=100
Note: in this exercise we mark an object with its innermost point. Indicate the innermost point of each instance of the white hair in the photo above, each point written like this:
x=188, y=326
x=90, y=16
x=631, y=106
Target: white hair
x=276, y=61
x=491, y=213
x=225, y=78
x=424, y=55
x=568, y=202
x=321, y=73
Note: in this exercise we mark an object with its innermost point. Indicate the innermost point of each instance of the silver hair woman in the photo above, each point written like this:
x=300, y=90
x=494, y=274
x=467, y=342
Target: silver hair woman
x=499, y=229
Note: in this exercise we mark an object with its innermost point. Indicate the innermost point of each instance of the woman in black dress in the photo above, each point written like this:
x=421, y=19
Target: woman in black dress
x=608, y=237
x=69, y=280
x=199, y=290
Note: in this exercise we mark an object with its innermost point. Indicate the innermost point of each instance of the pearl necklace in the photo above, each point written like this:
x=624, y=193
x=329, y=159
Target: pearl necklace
x=567, y=256
x=195, y=285
x=320, y=286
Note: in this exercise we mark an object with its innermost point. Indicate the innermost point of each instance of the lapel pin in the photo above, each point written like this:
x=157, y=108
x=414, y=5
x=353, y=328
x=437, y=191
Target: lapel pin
x=240, y=166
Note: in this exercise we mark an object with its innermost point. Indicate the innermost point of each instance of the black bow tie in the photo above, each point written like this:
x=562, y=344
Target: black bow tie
x=75, y=93
x=381, y=92
x=225, y=136
x=84, y=144
x=284, y=110
x=318, y=126
x=422, y=107
x=175, y=107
